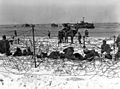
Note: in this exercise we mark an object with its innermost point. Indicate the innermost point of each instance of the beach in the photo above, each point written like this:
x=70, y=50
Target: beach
x=20, y=72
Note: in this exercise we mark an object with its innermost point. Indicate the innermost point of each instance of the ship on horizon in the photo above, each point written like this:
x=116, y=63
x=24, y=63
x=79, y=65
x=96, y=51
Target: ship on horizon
x=84, y=24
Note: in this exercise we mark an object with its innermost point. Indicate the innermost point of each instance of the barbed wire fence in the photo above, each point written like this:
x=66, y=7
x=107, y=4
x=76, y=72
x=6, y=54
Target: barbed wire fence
x=22, y=65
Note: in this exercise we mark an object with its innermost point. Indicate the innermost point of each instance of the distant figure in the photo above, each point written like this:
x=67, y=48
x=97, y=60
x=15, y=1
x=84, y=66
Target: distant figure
x=11, y=40
x=18, y=40
x=79, y=37
x=18, y=52
x=84, y=42
x=5, y=46
x=106, y=48
x=15, y=33
x=60, y=36
x=118, y=40
x=66, y=27
x=86, y=33
x=49, y=34
x=29, y=51
x=117, y=55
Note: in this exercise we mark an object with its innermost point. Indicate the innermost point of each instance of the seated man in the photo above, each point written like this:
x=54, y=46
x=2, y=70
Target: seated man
x=90, y=54
x=24, y=52
x=18, y=52
x=106, y=48
x=68, y=52
x=29, y=52
x=5, y=46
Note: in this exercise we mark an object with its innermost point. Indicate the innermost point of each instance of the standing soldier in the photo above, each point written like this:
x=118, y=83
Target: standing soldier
x=84, y=42
x=49, y=34
x=86, y=33
x=79, y=37
x=5, y=46
x=15, y=33
x=118, y=40
x=117, y=55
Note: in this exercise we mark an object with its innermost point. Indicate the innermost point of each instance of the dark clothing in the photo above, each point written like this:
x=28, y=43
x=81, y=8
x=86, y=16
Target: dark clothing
x=86, y=33
x=18, y=52
x=105, y=48
x=60, y=36
x=49, y=34
x=108, y=56
x=117, y=56
x=29, y=51
x=118, y=40
x=15, y=32
x=69, y=52
x=24, y=52
x=78, y=56
x=54, y=55
x=90, y=54
x=11, y=42
x=79, y=38
x=4, y=46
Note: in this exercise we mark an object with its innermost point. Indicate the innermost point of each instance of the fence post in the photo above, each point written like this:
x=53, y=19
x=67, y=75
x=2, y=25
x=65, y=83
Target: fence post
x=114, y=48
x=34, y=45
x=84, y=42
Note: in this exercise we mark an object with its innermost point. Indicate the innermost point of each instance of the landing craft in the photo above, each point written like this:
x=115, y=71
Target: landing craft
x=82, y=24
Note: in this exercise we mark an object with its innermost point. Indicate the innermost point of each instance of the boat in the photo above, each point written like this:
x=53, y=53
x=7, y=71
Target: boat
x=84, y=24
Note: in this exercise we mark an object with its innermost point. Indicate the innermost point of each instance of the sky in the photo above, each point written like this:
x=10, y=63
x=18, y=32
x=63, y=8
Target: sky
x=58, y=11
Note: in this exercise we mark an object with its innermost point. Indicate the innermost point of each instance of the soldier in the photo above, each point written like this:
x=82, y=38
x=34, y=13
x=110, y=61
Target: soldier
x=106, y=48
x=49, y=34
x=117, y=55
x=5, y=46
x=15, y=33
x=79, y=37
x=86, y=33
x=90, y=54
x=18, y=52
x=60, y=36
x=117, y=40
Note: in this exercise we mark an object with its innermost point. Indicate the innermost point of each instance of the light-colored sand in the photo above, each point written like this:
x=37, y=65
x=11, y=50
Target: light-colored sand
x=19, y=73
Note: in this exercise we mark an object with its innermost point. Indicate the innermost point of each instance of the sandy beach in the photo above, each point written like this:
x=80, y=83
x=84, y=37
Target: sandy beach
x=20, y=72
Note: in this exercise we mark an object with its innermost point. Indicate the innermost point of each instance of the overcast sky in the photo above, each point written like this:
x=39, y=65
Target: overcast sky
x=57, y=11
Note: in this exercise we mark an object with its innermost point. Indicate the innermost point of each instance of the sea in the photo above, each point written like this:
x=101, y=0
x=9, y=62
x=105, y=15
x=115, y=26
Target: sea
x=41, y=30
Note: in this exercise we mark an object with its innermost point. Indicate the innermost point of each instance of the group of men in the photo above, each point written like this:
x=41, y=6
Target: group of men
x=80, y=36
x=105, y=48
x=5, y=48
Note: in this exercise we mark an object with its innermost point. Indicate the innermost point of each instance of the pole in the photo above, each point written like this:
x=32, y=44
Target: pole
x=34, y=45
x=84, y=42
x=114, y=47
